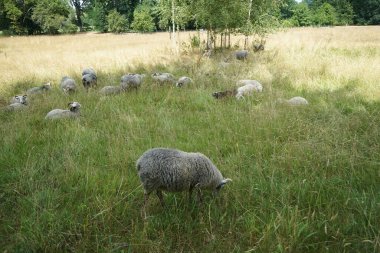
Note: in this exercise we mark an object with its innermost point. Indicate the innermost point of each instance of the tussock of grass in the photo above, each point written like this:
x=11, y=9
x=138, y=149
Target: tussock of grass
x=306, y=179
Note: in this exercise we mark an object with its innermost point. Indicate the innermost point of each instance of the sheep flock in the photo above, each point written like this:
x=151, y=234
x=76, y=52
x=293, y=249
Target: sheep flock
x=159, y=169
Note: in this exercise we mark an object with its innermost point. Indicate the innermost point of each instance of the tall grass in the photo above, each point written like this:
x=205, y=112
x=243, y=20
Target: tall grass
x=306, y=179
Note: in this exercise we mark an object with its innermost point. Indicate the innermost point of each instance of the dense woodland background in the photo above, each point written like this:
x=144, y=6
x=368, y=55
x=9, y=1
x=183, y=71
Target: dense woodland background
x=26, y=17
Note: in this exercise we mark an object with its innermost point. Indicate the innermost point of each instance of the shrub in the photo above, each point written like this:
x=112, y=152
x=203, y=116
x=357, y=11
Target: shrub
x=142, y=20
x=117, y=23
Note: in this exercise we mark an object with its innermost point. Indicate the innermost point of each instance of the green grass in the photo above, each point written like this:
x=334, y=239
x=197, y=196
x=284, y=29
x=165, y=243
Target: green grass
x=305, y=179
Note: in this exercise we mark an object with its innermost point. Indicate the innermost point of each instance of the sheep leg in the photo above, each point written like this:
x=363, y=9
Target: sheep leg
x=159, y=195
x=200, y=198
x=190, y=193
x=146, y=197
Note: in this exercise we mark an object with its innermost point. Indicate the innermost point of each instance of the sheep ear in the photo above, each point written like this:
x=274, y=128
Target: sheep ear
x=224, y=181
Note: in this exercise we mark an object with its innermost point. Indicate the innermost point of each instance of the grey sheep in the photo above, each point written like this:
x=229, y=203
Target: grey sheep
x=110, y=90
x=89, y=81
x=68, y=84
x=18, y=102
x=247, y=88
x=88, y=71
x=183, y=81
x=40, y=89
x=131, y=81
x=73, y=112
x=162, y=78
x=163, y=169
x=241, y=54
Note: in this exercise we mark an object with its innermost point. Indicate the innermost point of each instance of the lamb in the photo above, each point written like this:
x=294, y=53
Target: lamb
x=18, y=102
x=131, y=81
x=241, y=54
x=68, y=84
x=183, y=81
x=110, y=90
x=73, y=112
x=40, y=89
x=294, y=101
x=162, y=78
x=248, y=87
x=163, y=169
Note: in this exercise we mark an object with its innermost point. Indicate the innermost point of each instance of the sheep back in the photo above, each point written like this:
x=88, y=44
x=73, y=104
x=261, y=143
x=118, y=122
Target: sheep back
x=174, y=170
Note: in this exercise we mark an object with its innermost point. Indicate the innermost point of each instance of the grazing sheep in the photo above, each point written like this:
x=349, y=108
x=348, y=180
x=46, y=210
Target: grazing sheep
x=68, y=84
x=110, y=90
x=162, y=169
x=162, y=78
x=183, y=81
x=241, y=54
x=89, y=80
x=131, y=81
x=294, y=101
x=18, y=102
x=40, y=89
x=248, y=87
x=88, y=71
x=73, y=112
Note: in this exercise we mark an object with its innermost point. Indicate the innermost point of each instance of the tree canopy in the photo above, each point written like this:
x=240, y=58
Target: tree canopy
x=217, y=16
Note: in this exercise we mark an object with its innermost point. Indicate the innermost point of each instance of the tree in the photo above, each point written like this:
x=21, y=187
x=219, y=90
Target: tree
x=117, y=23
x=142, y=20
x=51, y=15
x=301, y=15
x=344, y=12
x=98, y=17
x=325, y=15
x=79, y=6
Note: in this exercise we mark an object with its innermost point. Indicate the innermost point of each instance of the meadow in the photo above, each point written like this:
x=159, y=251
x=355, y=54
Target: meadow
x=305, y=179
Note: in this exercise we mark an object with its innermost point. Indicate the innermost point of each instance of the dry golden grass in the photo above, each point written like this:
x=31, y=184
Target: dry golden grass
x=313, y=58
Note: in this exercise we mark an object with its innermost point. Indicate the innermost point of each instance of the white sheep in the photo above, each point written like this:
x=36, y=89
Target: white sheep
x=184, y=80
x=163, y=169
x=249, y=86
x=73, y=112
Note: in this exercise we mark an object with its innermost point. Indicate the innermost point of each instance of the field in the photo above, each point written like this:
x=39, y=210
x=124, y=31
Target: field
x=305, y=179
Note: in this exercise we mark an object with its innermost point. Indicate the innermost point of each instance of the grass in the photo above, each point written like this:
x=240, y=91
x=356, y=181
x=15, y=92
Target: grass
x=306, y=179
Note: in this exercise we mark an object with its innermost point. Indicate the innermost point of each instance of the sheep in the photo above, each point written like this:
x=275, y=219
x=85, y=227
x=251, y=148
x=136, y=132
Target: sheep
x=89, y=80
x=163, y=169
x=131, y=81
x=294, y=101
x=40, y=89
x=241, y=54
x=183, y=81
x=18, y=102
x=68, y=84
x=162, y=78
x=88, y=71
x=73, y=112
x=110, y=90
x=248, y=87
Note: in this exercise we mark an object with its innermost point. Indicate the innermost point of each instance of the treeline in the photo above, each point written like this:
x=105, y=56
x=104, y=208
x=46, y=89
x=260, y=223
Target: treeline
x=22, y=17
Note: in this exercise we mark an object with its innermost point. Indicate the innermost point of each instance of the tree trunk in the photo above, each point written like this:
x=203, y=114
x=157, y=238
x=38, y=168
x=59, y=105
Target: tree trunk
x=78, y=13
x=248, y=23
x=174, y=39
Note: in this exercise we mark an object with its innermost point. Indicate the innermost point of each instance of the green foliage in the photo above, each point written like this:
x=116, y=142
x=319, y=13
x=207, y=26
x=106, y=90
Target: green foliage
x=301, y=15
x=98, y=17
x=51, y=15
x=325, y=15
x=143, y=20
x=117, y=23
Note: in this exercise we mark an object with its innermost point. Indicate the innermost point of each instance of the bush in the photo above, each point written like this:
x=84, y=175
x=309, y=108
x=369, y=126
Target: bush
x=117, y=23
x=142, y=20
